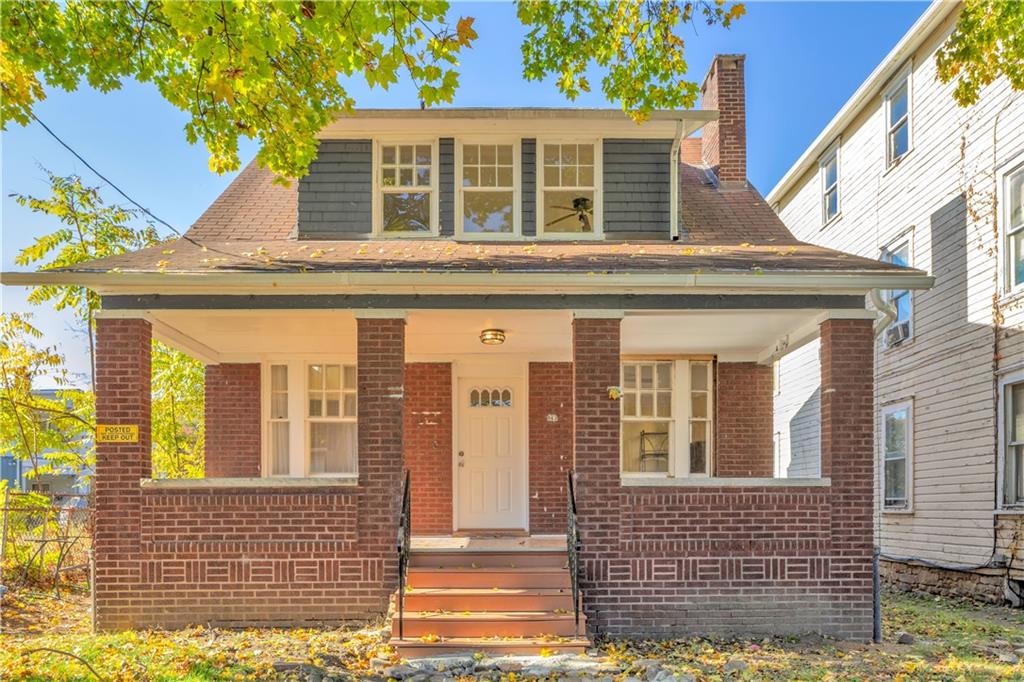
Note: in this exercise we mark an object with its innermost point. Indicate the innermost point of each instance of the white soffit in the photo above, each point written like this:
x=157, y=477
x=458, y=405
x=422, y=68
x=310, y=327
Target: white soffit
x=249, y=336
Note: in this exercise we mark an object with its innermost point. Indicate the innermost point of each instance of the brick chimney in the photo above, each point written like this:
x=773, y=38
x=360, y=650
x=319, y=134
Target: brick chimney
x=724, y=142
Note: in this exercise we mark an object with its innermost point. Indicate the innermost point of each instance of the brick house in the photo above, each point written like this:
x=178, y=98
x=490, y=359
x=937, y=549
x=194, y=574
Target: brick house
x=494, y=301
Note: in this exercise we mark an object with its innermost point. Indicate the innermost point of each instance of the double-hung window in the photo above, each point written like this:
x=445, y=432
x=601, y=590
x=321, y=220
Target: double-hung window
x=900, y=329
x=829, y=169
x=666, y=408
x=897, y=120
x=897, y=451
x=331, y=400
x=310, y=412
x=1012, y=431
x=406, y=196
x=569, y=200
x=279, y=426
x=1013, y=202
x=488, y=192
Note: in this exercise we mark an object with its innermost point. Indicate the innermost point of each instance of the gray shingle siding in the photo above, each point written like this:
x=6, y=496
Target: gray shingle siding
x=335, y=198
x=636, y=188
x=446, y=184
x=529, y=187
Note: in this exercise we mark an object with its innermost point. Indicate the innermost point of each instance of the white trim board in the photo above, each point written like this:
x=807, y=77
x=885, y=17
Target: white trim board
x=239, y=283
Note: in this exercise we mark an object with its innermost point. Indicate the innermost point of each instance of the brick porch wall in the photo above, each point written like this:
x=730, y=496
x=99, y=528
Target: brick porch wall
x=668, y=561
x=743, y=420
x=169, y=557
x=428, y=445
x=550, y=428
x=255, y=557
x=232, y=412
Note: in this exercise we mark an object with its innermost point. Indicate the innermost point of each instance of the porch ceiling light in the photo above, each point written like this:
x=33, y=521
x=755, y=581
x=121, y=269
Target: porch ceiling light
x=492, y=337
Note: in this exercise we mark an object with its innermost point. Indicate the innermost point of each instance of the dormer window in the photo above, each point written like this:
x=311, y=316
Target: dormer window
x=569, y=197
x=488, y=194
x=406, y=189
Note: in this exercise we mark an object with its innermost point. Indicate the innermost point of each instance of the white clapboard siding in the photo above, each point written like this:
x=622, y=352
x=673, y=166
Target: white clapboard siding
x=941, y=195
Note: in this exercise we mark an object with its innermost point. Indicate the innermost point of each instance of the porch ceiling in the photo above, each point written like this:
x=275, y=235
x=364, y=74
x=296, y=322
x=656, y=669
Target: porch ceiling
x=436, y=335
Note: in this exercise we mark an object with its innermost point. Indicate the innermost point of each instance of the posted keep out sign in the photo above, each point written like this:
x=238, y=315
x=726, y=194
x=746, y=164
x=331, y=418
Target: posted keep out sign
x=117, y=433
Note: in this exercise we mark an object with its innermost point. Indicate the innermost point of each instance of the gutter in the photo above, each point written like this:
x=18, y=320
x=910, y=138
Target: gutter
x=888, y=312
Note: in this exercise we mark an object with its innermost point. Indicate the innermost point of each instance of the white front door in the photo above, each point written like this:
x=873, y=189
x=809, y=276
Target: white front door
x=490, y=455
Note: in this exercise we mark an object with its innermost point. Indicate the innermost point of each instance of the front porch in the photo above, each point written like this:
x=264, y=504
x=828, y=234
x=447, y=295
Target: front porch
x=665, y=415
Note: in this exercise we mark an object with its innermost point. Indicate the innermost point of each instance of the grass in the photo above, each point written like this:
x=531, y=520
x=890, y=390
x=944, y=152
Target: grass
x=954, y=640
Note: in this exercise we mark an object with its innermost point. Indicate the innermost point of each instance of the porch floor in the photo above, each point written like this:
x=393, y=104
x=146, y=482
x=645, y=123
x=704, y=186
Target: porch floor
x=488, y=543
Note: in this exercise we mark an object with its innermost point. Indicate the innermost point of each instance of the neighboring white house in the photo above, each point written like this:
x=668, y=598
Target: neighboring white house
x=903, y=173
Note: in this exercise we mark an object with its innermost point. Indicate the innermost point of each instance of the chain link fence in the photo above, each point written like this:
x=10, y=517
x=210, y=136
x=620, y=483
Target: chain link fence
x=45, y=540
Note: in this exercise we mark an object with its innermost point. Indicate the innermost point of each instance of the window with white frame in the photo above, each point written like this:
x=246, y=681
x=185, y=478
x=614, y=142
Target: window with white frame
x=1013, y=442
x=278, y=425
x=829, y=169
x=311, y=420
x=666, y=417
x=1014, y=227
x=407, y=188
x=897, y=450
x=331, y=400
x=897, y=120
x=568, y=188
x=900, y=328
x=488, y=193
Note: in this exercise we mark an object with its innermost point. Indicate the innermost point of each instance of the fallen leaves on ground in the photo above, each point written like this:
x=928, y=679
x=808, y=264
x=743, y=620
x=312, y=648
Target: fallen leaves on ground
x=34, y=622
x=955, y=640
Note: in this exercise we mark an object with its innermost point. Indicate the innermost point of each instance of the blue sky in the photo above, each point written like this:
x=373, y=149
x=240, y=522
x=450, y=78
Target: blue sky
x=804, y=59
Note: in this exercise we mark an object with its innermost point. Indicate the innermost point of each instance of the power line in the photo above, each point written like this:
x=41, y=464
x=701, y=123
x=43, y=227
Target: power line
x=124, y=194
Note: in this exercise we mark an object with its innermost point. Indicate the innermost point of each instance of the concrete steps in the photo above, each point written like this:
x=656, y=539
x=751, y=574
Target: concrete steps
x=487, y=578
x=501, y=602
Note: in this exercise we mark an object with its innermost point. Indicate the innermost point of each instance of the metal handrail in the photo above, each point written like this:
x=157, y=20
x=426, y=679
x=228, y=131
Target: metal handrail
x=404, y=546
x=572, y=543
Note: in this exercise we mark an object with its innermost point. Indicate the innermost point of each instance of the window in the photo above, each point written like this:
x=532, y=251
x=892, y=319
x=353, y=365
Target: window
x=1014, y=230
x=490, y=397
x=311, y=419
x=279, y=427
x=666, y=417
x=900, y=328
x=897, y=120
x=489, y=189
x=829, y=168
x=407, y=198
x=1013, y=439
x=331, y=393
x=897, y=449
x=569, y=200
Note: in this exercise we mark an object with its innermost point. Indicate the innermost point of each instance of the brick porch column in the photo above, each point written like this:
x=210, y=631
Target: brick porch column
x=595, y=350
x=381, y=377
x=232, y=413
x=847, y=456
x=123, y=397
